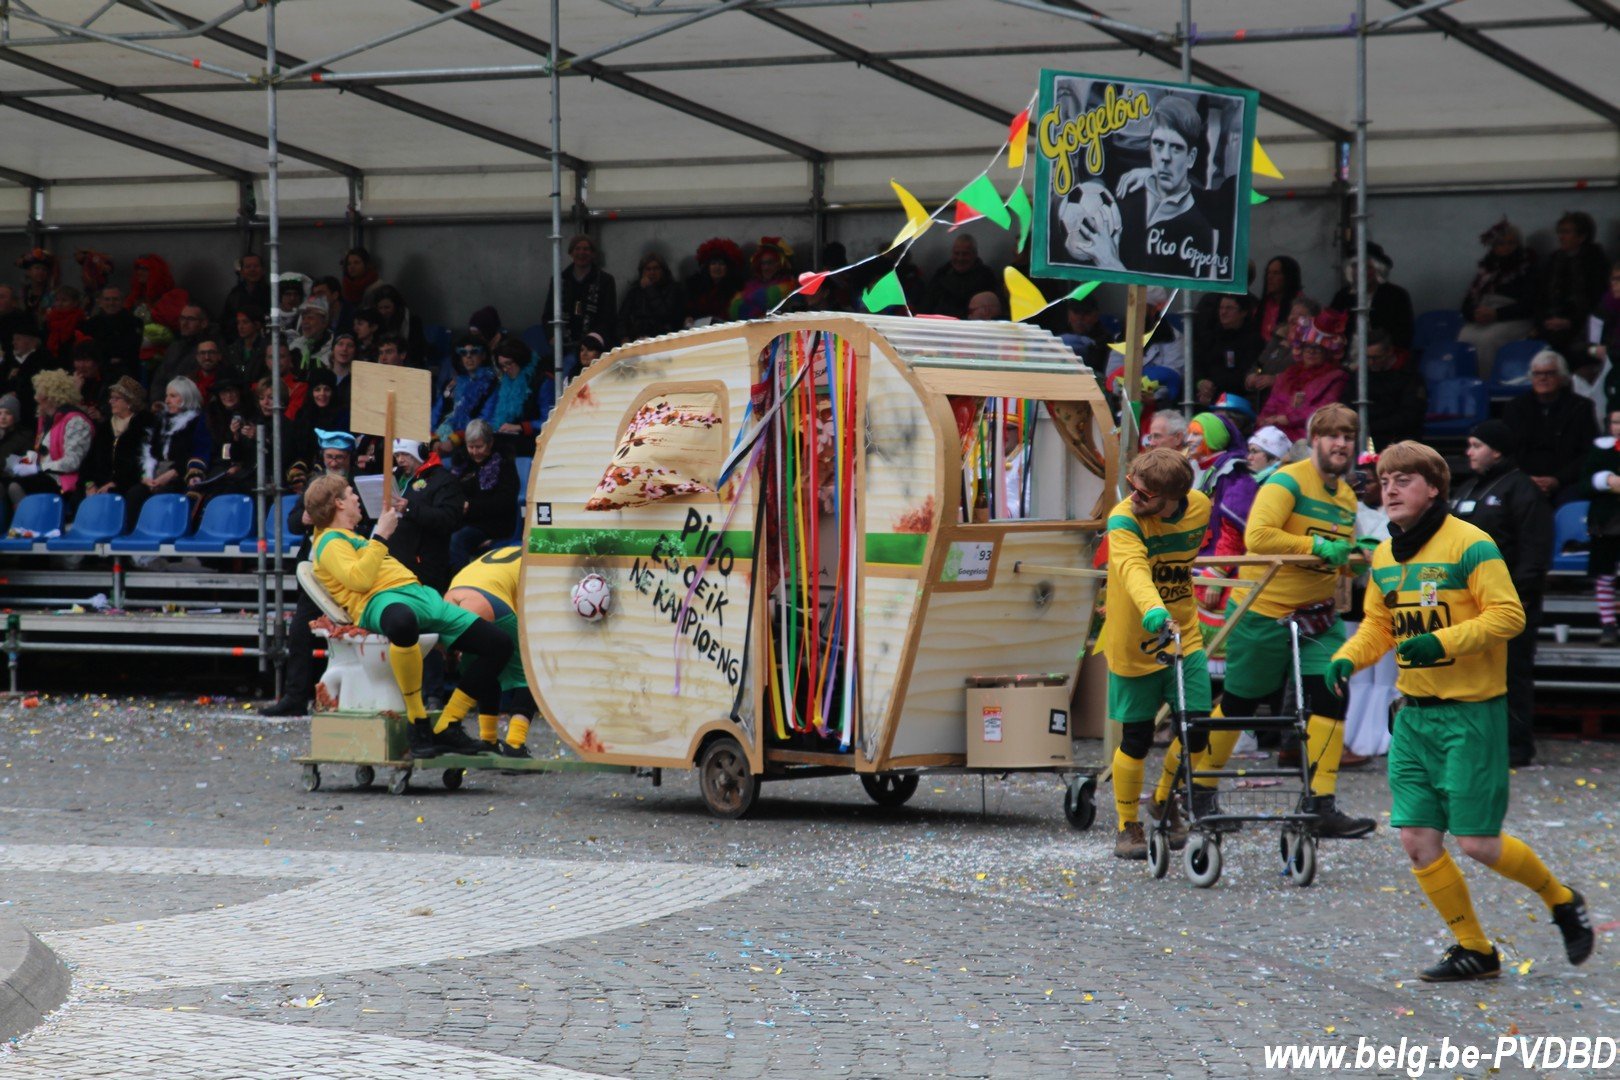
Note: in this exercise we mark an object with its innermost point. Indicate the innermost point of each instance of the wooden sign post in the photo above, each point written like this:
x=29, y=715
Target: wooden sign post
x=389, y=400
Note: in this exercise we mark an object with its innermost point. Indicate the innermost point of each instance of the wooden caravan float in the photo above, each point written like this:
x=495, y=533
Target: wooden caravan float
x=807, y=530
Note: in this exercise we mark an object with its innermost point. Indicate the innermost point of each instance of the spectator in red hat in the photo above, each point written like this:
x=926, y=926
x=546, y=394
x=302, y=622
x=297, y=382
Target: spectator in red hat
x=1315, y=378
x=771, y=282
x=719, y=276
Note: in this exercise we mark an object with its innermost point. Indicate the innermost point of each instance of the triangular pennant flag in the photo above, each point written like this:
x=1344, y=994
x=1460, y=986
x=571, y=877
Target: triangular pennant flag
x=1018, y=203
x=917, y=219
x=1255, y=198
x=982, y=196
x=1262, y=163
x=1084, y=290
x=964, y=214
x=810, y=283
x=1017, y=139
x=885, y=292
x=1025, y=297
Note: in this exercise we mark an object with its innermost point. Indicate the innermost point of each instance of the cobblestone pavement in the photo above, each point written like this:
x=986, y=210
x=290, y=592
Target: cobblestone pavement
x=223, y=923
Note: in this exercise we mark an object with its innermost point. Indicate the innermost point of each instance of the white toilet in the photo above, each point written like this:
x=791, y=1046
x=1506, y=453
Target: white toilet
x=358, y=678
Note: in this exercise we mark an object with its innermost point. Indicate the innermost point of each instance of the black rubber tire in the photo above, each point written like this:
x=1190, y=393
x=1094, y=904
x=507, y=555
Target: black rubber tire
x=1080, y=802
x=1158, y=853
x=452, y=779
x=312, y=778
x=400, y=783
x=364, y=776
x=1302, y=867
x=890, y=789
x=729, y=787
x=1202, y=860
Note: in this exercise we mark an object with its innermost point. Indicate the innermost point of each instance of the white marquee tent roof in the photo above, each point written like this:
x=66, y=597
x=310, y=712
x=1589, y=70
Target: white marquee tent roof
x=745, y=101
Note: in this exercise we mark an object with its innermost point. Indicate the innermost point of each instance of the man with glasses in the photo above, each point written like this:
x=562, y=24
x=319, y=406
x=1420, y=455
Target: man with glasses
x=1555, y=427
x=209, y=357
x=1167, y=429
x=181, y=358
x=1152, y=538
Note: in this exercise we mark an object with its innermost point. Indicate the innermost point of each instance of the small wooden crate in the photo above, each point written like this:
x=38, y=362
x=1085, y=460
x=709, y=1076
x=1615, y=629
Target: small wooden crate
x=358, y=737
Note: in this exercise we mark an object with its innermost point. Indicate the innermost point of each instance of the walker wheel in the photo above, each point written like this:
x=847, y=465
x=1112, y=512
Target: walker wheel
x=453, y=778
x=1080, y=802
x=729, y=787
x=1302, y=864
x=312, y=778
x=364, y=776
x=890, y=789
x=1158, y=853
x=1202, y=860
x=400, y=783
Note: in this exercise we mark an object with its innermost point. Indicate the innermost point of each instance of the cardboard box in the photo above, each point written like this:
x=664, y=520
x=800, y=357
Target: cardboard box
x=1018, y=722
x=1089, y=719
x=362, y=738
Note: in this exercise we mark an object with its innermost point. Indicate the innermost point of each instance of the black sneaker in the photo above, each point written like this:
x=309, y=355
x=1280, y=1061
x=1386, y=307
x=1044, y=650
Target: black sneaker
x=422, y=742
x=1460, y=965
x=1576, y=926
x=506, y=749
x=286, y=706
x=455, y=740
x=1333, y=823
x=489, y=746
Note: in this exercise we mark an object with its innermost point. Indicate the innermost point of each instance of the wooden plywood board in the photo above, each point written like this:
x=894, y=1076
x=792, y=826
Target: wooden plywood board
x=1006, y=629
x=413, y=401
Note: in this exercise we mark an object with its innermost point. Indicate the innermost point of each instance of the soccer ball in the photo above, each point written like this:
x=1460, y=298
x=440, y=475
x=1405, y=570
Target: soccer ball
x=591, y=597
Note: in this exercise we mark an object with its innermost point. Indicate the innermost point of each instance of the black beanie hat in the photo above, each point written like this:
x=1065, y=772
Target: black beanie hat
x=1497, y=435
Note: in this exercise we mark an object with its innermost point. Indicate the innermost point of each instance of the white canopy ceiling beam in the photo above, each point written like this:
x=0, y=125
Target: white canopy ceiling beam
x=179, y=31
x=1603, y=11
x=658, y=31
x=631, y=85
x=121, y=41
x=118, y=135
x=415, y=28
x=168, y=112
x=1514, y=61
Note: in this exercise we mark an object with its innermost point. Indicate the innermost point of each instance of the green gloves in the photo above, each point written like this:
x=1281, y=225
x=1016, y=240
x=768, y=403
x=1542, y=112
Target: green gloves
x=1332, y=552
x=1424, y=650
x=1153, y=621
x=1338, y=676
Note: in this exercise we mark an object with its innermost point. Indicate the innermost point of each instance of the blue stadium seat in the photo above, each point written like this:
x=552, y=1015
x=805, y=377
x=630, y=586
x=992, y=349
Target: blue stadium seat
x=1456, y=406
x=437, y=340
x=163, y=520
x=1510, y=371
x=39, y=514
x=1436, y=367
x=226, y=519
x=538, y=341
x=1569, y=527
x=524, y=465
x=290, y=540
x=1436, y=327
x=1461, y=356
x=100, y=518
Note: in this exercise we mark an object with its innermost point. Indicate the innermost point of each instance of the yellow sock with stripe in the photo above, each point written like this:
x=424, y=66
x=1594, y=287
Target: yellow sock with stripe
x=517, y=731
x=1324, y=746
x=455, y=711
x=1172, y=762
x=1221, y=744
x=489, y=727
x=1443, y=884
x=406, y=663
x=1521, y=864
x=1127, y=786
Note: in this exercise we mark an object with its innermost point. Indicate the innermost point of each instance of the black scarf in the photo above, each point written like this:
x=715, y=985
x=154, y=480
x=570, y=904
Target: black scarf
x=1405, y=543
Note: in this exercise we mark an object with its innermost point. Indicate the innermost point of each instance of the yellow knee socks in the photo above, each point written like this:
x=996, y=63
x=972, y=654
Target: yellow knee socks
x=1172, y=762
x=1127, y=786
x=406, y=663
x=488, y=727
x=1324, y=745
x=1521, y=864
x=455, y=711
x=517, y=731
x=1221, y=744
x=1443, y=884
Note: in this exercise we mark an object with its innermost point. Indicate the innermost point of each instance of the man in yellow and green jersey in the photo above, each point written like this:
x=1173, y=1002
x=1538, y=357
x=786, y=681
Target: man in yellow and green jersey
x=1441, y=596
x=1153, y=537
x=1306, y=508
x=488, y=586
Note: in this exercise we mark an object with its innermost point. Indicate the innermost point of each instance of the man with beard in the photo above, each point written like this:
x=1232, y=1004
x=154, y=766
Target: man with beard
x=1306, y=508
x=1442, y=598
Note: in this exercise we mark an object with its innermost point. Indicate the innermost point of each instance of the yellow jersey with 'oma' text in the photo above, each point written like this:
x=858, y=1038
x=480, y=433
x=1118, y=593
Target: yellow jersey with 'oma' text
x=1292, y=506
x=1149, y=566
x=1457, y=588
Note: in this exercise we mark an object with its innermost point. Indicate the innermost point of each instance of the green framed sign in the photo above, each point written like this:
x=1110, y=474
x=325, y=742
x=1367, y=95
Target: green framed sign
x=1142, y=182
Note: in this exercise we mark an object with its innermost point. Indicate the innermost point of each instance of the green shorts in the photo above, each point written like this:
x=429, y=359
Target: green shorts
x=1133, y=699
x=512, y=675
x=1448, y=767
x=1260, y=661
x=433, y=614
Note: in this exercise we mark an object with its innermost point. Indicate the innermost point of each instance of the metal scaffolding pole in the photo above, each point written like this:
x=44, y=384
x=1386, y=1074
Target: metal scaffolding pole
x=272, y=248
x=556, y=211
x=1188, y=380
x=1361, y=214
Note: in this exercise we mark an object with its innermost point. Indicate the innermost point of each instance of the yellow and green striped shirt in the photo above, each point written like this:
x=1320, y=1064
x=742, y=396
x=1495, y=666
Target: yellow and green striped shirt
x=1149, y=563
x=1292, y=506
x=1457, y=588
